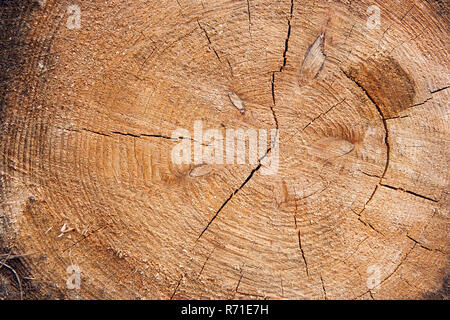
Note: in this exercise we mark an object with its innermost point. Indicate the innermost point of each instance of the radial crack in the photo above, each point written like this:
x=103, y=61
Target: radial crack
x=439, y=90
x=409, y=192
x=176, y=288
x=302, y=252
x=204, y=264
x=398, y=266
x=323, y=288
x=418, y=243
x=209, y=41
x=286, y=41
x=155, y=136
x=286, y=47
x=322, y=114
x=249, y=18
x=273, y=102
x=367, y=224
x=383, y=118
x=386, y=137
x=239, y=282
x=229, y=198
x=91, y=131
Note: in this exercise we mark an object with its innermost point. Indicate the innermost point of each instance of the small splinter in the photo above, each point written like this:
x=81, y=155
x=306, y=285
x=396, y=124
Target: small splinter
x=237, y=102
x=64, y=229
x=313, y=61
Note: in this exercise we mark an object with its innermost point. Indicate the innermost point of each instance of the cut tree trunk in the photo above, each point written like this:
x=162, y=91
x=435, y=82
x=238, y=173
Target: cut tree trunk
x=358, y=208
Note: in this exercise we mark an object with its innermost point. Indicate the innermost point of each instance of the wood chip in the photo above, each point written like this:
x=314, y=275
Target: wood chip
x=237, y=102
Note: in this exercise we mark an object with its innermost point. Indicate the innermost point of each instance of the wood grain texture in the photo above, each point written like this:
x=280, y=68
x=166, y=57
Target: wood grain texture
x=86, y=176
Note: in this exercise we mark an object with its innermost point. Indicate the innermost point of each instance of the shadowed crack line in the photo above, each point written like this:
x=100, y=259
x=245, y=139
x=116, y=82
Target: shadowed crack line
x=176, y=289
x=286, y=47
x=383, y=118
x=209, y=41
x=238, y=189
x=204, y=264
x=273, y=101
x=302, y=252
x=286, y=41
x=418, y=243
x=409, y=192
x=367, y=224
x=249, y=18
x=399, y=265
x=323, y=114
x=229, y=198
x=156, y=136
x=398, y=117
x=370, y=175
x=91, y=131
x=273, y=88
x=386, y=137
x=239, y=282
x=421, y=103
x=109, y=134
x=230, y=68
x=252, y=295
x=323, y=288
x=439, y=90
